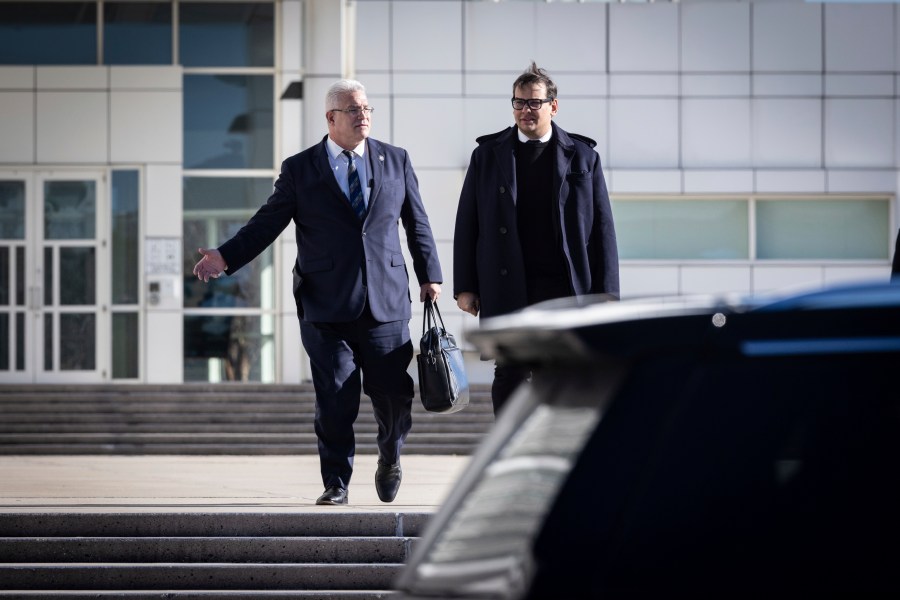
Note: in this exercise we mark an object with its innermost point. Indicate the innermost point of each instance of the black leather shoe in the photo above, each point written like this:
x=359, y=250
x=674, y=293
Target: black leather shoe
x=333, y=495
x=387, y=481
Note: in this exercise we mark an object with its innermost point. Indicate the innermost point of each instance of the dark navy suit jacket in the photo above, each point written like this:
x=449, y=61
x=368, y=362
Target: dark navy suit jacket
x=487, y=251
x=342, y=261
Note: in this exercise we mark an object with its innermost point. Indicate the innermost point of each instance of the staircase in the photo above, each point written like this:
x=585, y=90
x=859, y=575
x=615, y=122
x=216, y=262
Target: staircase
x=207, y=419
x=200, y=556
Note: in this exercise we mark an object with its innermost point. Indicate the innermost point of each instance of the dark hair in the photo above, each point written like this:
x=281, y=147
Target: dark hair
x=535, y=75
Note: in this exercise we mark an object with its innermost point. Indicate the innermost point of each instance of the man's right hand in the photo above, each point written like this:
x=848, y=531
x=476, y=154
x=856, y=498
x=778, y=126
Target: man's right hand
x=211, y=265
x=469, y=302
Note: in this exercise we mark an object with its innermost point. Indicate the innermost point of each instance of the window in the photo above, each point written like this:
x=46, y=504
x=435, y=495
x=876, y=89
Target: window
x=228, y=122
x=226, y=34
x=48, y=33
x=137, y=33
x=814, y=228
x=682, y=229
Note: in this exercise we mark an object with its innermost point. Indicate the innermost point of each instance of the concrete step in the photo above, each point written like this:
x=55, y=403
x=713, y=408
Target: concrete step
x=225, y=419
x=198, y=595
x=194, y=555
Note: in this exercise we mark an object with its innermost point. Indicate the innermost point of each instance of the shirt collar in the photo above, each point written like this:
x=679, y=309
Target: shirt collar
x=524, y=138
x=335, y=151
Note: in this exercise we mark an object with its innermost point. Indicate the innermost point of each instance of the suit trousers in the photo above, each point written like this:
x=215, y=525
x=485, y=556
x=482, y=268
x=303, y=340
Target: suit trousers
x=346, y=359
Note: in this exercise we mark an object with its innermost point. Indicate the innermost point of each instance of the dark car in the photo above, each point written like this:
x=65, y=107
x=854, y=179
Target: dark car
x=686, y=446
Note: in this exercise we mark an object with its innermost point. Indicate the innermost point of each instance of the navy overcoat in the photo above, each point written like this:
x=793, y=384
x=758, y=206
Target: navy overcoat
x=487, y=255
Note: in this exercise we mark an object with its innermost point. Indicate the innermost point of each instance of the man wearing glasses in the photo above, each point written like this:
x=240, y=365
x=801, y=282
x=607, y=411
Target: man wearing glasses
x=346, y=196
x=534, y=220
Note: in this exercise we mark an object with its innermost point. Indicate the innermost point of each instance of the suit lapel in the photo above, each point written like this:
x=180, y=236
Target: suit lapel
x=506, y=160
x=375, y=165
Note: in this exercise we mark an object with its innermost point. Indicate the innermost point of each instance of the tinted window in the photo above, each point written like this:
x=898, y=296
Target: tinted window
x=226, y=35
x=228, y=122
x=137, y=33
x=42, y=33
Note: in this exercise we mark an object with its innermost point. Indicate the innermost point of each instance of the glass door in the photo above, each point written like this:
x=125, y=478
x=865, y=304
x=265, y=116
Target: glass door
x=51, y=252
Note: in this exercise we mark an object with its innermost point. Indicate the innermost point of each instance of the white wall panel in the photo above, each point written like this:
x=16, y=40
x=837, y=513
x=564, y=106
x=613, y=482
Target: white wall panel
x=636, y=281
x=787, y=132
x=491, y=84
x=581, y=30
x=859, y=85
x=164, y=198
x=482, y=116
x=72, y=127
x=810, y=181
x=146, y=126
x=838, y=275
x=427, y=36
x=440, y=193
x=17, y=78
x=291, y=40
x=373, y=36
x=627, y=84
x=787, y=37
x=715, y=280
x=859, y=37
x=164, y=340
x=715, y=133
x=145, y=78
x=421, y=128
x=649, y=181
x=571, y=85
x=786, y=279
x=16, y=127
x=722, y=181
x=715, y=86
x=322, y=36
x=859, y=133
x=862, y=181
x=643, y=133
x=72, y=78
x=643, y=37
x=586, y=117
x=495, y=33
x=765, y=84
x=715, y=37
x=427, y=84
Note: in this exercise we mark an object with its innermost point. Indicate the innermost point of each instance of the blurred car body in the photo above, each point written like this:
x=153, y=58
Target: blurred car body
x=704, y=446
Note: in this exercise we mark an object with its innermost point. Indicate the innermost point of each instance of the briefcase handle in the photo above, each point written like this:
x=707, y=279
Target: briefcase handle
x=431, y=309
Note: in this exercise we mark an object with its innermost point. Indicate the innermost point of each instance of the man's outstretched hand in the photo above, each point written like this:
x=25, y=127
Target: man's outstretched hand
x=211, y=265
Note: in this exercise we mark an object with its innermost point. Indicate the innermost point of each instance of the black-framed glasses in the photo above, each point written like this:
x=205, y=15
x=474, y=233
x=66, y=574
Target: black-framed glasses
x=532, y=103
x=356, y=110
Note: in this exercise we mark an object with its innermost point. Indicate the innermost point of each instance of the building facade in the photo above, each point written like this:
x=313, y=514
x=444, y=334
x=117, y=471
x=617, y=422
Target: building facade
x=749, y=147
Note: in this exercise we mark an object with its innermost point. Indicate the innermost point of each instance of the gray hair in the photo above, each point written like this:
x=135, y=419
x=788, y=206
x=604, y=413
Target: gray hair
x=340, y=89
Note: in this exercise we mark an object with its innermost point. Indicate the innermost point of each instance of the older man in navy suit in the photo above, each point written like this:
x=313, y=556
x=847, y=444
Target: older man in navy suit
x=346, y=196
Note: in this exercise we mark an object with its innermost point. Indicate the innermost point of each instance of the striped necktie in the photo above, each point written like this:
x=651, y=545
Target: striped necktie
x=357, y=200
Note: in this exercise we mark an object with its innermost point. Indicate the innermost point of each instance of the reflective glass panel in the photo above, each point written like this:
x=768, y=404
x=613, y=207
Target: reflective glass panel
x=4, y=276
x=77, y=347
x=48, y=342
x=48, y=276
x=125, y=221
x=823, y=229
x=4, y=341
x=69, y=210
x=12, y=210
x=226, y=34
x=682, y=229
x=228, y=122
x=48, y=33
x=137, y=33
x=215, y=209
x=229, y=348
x=125, y=345
x=20, y=276
x=77, y=281
x=20, y=341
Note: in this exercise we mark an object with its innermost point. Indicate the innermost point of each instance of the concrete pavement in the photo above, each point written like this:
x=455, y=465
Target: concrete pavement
x=167, y=483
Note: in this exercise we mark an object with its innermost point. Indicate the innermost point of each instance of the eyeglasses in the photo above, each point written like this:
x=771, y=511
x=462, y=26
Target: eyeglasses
x=532, y=103
x=354, y=111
